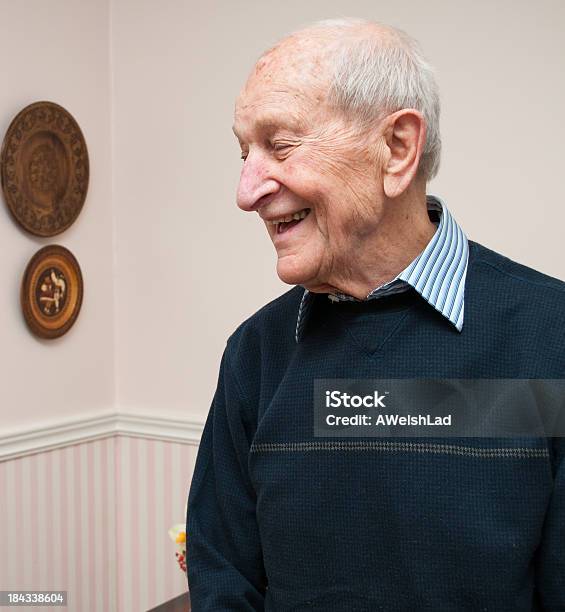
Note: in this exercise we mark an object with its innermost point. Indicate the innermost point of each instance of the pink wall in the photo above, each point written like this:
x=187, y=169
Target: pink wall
x=92, y=519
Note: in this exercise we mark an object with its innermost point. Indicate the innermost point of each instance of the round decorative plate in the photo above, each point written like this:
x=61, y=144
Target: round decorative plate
x=44, y=169
x=51, y=291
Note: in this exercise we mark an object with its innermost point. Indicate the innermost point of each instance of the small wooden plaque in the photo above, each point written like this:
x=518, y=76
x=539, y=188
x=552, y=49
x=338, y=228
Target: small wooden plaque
x=51, y=291
x=44, y=169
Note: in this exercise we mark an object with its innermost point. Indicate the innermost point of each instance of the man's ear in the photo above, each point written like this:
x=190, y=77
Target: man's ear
x=404, y=138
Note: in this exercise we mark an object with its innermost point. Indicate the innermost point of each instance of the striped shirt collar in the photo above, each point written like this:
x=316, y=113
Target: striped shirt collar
x=437, y=274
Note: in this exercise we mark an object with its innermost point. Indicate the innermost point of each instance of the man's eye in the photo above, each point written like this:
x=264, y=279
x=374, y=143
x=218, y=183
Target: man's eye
x=243, y=156
x=281, y=147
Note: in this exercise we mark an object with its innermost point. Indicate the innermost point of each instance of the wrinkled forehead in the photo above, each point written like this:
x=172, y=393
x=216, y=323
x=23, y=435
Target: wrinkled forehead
x=293, y=77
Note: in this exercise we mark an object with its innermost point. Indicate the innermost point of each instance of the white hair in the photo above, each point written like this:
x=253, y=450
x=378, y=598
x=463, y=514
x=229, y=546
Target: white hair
x=378, y=69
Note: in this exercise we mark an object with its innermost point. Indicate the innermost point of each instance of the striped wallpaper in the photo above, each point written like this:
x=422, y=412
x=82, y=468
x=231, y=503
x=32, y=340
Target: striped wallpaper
x=92, y=519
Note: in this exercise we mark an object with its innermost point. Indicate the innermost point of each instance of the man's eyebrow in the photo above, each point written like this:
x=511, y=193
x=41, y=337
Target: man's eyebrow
x=272, y=122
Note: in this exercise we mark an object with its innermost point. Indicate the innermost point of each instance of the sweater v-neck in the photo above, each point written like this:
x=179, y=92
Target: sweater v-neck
x=368, y=325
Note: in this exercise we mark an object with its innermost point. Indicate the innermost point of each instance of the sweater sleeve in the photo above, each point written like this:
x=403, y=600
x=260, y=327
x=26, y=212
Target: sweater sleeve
x=224, y=557
x=550, y=572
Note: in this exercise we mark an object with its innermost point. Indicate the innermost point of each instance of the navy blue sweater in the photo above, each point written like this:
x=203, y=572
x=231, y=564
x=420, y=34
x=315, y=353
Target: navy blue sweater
x=274, y=525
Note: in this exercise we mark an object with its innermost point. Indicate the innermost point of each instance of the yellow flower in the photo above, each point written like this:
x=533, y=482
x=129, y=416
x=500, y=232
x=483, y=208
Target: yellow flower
x=178, y=531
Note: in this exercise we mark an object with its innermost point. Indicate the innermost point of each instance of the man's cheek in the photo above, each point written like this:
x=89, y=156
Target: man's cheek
x=327, y=223
x=327, y=165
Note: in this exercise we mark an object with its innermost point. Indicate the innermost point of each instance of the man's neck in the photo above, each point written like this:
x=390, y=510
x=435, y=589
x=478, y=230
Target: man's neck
x=403, y=234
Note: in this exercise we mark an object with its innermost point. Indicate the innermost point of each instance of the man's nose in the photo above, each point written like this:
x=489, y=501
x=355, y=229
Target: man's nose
x=255, y=184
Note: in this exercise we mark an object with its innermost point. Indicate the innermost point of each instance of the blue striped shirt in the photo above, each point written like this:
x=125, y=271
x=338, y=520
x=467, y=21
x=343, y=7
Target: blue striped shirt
x=437, y=273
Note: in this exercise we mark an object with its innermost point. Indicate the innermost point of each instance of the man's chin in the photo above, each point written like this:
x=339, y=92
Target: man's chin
x=293, y=272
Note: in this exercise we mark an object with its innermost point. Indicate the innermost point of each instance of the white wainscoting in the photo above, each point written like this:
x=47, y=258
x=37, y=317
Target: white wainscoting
x=86, y=505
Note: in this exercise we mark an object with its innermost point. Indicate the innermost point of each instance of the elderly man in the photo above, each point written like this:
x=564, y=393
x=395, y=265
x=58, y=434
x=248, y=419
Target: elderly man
x=338, y=128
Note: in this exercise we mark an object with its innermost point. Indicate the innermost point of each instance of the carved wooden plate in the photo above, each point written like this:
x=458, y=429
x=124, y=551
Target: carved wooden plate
x=44, y=169
x=51, y=291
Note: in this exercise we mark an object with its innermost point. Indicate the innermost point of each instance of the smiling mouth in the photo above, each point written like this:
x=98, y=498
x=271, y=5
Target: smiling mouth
x=285, y=223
